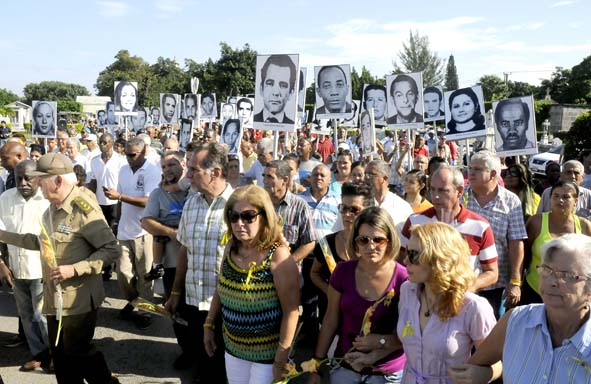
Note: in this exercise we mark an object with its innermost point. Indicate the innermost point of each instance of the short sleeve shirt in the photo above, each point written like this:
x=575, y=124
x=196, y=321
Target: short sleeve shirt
x=298, y=225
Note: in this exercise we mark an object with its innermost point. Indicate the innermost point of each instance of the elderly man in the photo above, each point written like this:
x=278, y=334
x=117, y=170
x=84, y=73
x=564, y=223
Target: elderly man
x=264, y=153
x=21, y=209
x=447, y=188
x=574, y=171
x=278, y=77
x=247, y=154
x=307, y=162
x=503, y=211
x=323, y=202
x=92, y=149
x=62, y=141
x=200, y=233
x=420, y=162
x=73, y=152
x=376, y=175
x=137, y=179
x=76, y=243
x=333, y=89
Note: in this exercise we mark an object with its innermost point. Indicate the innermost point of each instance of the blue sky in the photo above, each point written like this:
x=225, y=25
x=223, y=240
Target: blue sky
x=80, y=38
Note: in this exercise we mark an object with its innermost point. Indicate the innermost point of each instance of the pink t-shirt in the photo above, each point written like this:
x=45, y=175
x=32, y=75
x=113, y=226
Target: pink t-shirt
x=353, y=307
x=442, y=343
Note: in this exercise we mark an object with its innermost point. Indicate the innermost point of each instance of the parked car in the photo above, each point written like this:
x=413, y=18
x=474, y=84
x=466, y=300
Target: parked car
x=537, y=163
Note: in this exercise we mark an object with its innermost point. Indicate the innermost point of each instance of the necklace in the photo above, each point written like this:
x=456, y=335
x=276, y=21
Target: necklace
x=427, y=313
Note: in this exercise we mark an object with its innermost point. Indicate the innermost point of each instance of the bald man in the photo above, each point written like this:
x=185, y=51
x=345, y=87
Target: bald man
x=10, y=155
x=171, y=144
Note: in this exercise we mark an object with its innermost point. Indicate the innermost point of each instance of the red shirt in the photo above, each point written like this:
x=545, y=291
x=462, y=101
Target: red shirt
x=424, y=150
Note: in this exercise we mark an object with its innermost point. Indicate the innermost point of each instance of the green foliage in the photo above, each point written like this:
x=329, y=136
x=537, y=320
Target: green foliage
x=7, y=96
x=357, y=81
x=493, y=88
x=124, y=68
x=5, y=111
x=451, y=75
x=68, y=106
x=53, y=91
x=165, y=76
x=542, y=111
x=578, y=137
x=416, y=56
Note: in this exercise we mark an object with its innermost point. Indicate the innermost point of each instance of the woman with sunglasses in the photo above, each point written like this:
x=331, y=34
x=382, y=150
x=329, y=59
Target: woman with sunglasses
x=257, y=293
x=519, y=181
x=544, y=227
x=332, y=249
x=362, y=305
x=440, y=319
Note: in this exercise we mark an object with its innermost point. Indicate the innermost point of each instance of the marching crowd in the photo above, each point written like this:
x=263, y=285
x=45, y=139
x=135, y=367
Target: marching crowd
x=412, y=265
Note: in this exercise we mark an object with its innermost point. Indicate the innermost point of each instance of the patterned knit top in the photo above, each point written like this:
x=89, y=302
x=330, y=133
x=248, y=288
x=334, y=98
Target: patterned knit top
x=251, y=311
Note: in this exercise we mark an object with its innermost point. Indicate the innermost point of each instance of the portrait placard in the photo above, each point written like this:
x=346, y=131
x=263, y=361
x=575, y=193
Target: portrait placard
x=186, y=133
x=515, y=126
x=353, y=119
x=374, y=96
x=101, y=118
x=302, y=92
x=194, y=85
x=433, y=103
x=190, y=106
x=44, y=119
x=138, y=121
x=245, y=111
x=368, y=133
x=170, y=106
x=227, y=112
x=333, y=92
x=405, y=100
x=208, y=106
x=464, y=113
x=276, y=92
x=126, y=96
x=232, y=135
x=155, y=116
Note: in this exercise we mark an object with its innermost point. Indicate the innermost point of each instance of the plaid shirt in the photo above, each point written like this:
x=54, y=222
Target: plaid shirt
x=325, y=211
x=201, y=230
x=298, y=225
x=506, y=219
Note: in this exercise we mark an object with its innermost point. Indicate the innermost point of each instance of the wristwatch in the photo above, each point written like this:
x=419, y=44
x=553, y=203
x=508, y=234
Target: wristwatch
x=382, y=342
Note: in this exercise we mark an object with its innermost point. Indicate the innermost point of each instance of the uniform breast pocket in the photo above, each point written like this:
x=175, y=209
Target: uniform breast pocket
x=63, y=248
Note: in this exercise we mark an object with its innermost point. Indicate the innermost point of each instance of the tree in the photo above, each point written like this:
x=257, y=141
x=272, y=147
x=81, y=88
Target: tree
x=493, y=88
x=416, y=57
x=577, y=138
x=7, y=96
x=580, y=82
x=164, y=76
x=68, y=106
x=451, y=75
x=126, y=68
x=53, y=91
x=357, y=81
x=558, y=85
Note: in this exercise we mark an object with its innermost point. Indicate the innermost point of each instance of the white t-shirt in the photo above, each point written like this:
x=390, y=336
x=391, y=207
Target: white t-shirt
x=106, y=175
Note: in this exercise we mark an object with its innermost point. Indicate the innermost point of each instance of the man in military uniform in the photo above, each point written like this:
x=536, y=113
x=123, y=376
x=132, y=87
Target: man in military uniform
x=75, y=243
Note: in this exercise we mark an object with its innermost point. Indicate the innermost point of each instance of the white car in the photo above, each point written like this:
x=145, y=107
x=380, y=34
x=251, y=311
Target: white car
x=537, y=163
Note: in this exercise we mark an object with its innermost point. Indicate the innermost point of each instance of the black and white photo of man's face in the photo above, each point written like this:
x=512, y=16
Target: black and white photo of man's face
x=376, y=99
x=244, y=110
x=186, y=133
x=139, y=121
x=276, y=88
x=432, y=104
x=190, y=108
x=405, y=98
x=169, y=107
x=155, y=116
x=101, y=116
x=111, y=118
x=366, y=131
x=512, y=126
x=207, y=105
x=227, y=111
x=332, y=88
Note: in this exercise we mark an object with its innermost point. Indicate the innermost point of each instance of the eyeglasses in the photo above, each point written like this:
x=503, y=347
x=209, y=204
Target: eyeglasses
x=343, y=208
x=246, y=216
x=378, y=241
x=413, y=256
x=568, y=277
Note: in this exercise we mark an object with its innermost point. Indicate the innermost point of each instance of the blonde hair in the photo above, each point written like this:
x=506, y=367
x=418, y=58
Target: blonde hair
x=377, y=218
x=271, y=226
x=447, y=254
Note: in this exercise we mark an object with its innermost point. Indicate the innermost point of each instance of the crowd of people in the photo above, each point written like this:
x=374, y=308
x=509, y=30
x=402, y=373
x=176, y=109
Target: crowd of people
x=411, y=265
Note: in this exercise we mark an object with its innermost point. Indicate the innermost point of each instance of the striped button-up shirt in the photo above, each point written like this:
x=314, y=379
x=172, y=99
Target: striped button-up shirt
x=298, y=225
x=325, y=211
x=201, y=230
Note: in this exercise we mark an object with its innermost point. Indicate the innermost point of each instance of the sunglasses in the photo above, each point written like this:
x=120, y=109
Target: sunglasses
x=246, y=216
x=132, y=154
x=413, y=256
x=365, y=240
x=349, y=208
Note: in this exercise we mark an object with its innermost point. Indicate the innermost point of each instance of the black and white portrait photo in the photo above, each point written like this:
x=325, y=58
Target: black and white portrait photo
x=112, y=119
x=405, y=100
x=126, y=97
x=353, y=119
x=275, y=92
x=155, y=116
x=515, y=126
x=44, y=118
x=368, y=133
x=302, y=91
x=433, y=103
x=245, y=111
x=464, y=113
x=190, y=106
x=186, y=133
x=170, y=108
x=138, y=122
x=232, y=135
x=208, y=106
x=333, y=91
x=101, y=117
x=374, y=96
x=226, y=112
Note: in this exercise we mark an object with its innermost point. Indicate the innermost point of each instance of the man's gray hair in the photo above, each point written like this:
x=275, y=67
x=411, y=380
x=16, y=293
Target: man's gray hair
x=282, y=168
x=575, y=163
x=456, y=174
x=146, y=138
x=265, y=144
x=577, y=244
x=136, y=142
x=76, y=142
x=382, y=166
x=491, y=160
x=68, y=178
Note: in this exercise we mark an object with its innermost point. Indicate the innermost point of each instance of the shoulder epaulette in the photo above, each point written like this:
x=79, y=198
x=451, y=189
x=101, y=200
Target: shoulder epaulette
x=83, y=205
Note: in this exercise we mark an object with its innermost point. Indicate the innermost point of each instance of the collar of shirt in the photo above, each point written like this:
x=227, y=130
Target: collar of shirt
x=268, y=115
x=287, y=199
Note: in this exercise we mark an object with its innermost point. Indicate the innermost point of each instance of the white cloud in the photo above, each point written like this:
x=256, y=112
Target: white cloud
x=526, y=27
x=574, y=25
x=109, y=8
x=562, y=3
x=168, y=8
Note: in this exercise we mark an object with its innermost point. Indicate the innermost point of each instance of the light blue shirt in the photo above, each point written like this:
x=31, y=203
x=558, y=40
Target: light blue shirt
x=325, y=212
x=528, y=355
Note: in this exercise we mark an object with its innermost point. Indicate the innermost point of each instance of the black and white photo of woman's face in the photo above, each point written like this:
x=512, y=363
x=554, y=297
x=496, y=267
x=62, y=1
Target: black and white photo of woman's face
x=44, y=119
x=376, y=99
x=231, y=133
x=128, y=97
x=462, y=108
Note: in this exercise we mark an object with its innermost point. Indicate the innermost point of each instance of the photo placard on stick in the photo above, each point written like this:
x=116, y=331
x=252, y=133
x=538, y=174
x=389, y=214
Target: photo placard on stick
x=245, y=111
x=170, y=106
x=190, y=106
x=208, y=106
x=232, y=135
x=138, y=122
x=227, y=112
x=186, y=133
x=126, y=97
x=276, y=91
x=155, y=116
x=374, y=96
x=433, y=103
x=464, y=113
x=353, y=119
x=405, y=101
x=368, y=133
x=333, y=92
x=515, y=126
x=44, y=119
x=302, y=92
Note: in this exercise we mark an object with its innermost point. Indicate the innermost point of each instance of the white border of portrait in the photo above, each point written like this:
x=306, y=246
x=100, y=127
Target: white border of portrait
x=152, y=122
x=177, y=109
x=530, y=131
x=183, y=139
x=418, y=108
x=441, y=106
x=236, y=150
x=290, y=107
x=233, y=116
x=372, y=147
x=477, y=90
x=53, y=105
x=215, y=107
x=362, y=105
x=302, y=92
x=197, y=106
x=118, y=111
x=346, y=68
x=353, y=121
x=245, y=124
